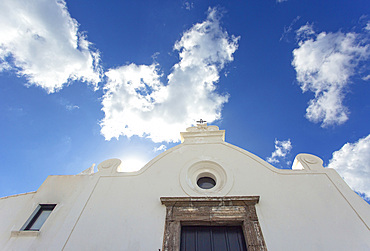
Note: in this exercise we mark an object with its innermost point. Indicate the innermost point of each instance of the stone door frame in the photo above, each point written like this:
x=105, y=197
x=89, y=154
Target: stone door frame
x=203, y=211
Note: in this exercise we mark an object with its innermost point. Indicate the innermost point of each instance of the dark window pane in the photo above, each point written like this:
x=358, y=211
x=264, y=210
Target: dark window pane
x=206, y=182
x=40, y=217
x=40, y=220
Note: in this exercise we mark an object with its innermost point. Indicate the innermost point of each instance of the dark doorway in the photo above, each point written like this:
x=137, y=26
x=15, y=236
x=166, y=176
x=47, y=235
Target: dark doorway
x=212, y=238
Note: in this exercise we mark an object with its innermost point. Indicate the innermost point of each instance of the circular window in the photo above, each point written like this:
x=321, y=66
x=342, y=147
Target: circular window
x=206, y=182
x=205, y=177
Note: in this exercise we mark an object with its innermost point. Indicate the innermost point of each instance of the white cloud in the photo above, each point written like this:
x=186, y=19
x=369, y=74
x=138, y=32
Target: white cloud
x=188, y=5
x=352, y=162
x=160, y=148
x=280, y=1
x=136, y=102
x=72, y=107
x=282, y=148
x=305, y=31
x=40, y=40
x=367, y=27
x=324, y=64
x=67, y=104
x=289, y=29
x=366, y=78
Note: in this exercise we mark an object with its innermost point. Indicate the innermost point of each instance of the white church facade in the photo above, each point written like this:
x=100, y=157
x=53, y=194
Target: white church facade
x=204, y=194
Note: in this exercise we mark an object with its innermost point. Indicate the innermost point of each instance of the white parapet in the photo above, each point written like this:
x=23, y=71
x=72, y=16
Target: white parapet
x=203, y=134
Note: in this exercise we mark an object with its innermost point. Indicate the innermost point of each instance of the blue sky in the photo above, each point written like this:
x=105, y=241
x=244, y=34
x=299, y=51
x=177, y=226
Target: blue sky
x=85, y=81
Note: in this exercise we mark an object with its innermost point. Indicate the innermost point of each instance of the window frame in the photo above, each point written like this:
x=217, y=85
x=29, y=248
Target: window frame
x=203, y=211
x=35, y=216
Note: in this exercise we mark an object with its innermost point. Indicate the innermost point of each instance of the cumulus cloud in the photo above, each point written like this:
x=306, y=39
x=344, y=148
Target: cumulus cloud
x=325, y=63
x=136, y=102
x=352, y=162
x=40, y=41
x=282, y=148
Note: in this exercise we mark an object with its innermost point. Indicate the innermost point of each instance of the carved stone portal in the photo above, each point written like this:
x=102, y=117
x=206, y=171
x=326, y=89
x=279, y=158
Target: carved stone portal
x=203, y=211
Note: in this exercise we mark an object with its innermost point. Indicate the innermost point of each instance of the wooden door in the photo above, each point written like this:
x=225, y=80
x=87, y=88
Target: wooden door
x=212, y=238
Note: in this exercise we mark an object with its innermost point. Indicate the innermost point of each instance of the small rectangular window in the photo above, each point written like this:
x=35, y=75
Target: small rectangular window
x=38, y=217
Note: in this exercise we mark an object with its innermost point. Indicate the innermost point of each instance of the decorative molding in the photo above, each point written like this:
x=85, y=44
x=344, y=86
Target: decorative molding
x=88, y=171
x=304, y=161
x=203, y=211
x=111, y=164
x=202, y=133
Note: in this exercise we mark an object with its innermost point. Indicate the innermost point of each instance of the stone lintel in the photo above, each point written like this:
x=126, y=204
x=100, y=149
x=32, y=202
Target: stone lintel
x=210, y=201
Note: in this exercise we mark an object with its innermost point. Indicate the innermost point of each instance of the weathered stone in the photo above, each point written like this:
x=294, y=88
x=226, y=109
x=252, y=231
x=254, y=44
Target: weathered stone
x=203, y=211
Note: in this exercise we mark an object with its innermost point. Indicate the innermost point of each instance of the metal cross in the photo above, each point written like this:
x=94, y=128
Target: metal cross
x=201, y=121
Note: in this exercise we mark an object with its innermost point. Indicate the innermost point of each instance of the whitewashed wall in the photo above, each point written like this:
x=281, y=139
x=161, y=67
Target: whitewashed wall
x=308, y=208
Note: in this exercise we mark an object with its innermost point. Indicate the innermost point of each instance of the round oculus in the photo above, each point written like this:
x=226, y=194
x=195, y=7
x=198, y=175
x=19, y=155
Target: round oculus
x=206, y=182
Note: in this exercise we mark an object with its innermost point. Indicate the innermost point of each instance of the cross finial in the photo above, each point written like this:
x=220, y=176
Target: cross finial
x=201, y=121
